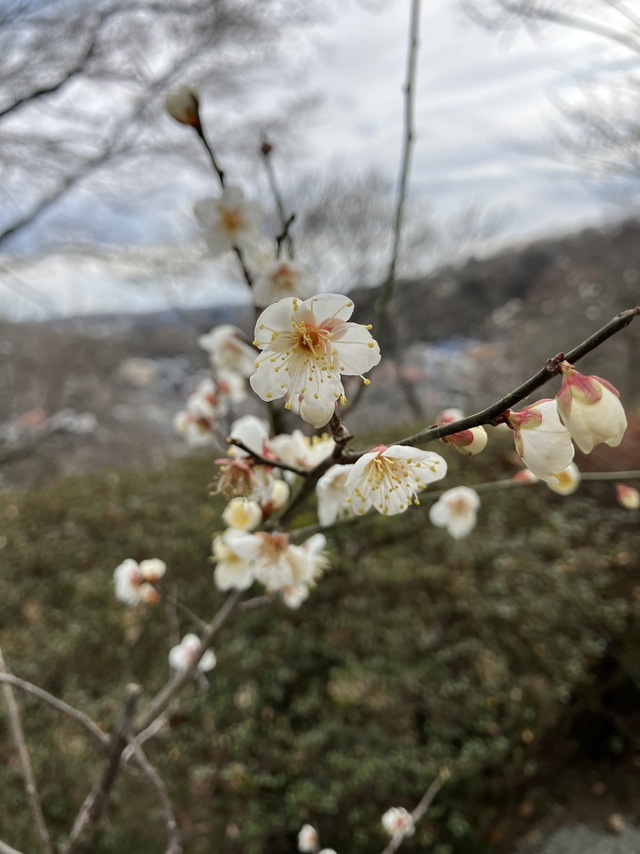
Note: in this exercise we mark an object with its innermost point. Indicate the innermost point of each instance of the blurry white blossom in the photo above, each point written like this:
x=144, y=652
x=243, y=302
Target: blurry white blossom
x=303, y=452
x=628, y=496
x=184, y=654
x=242, y=513
x=306, y=346
x=253, y=432
x=230, y=221
x=590, y=409
x=331, y=491
x=397, y=821
x=134, y=582
x=283, y=278
x=308, y=839
x=390, y=478
x=566, y=482
x=227, y=349
x=456, y=510
x=233, y=568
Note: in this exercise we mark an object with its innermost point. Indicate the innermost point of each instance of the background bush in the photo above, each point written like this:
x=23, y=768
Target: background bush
x=413, y=653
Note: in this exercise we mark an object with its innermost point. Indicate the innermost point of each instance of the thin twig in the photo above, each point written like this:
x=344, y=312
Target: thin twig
x=266, y=461
x=266, y=148
x=381, y=310
x=166, y=694
x=58, y=704
x=238, y=252
x=174, y=844
x=94, y=804
x=420, y=810
x=497, y=409
x=17, y=734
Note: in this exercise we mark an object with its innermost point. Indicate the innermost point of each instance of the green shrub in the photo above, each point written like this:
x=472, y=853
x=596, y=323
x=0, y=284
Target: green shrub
x=415, y=652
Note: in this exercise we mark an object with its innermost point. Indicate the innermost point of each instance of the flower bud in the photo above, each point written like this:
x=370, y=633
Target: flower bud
x=628, y=496
x=468, y=442
x=590, y=409
x=183, y=106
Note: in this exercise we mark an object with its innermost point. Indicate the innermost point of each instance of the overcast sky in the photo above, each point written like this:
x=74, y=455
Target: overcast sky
x=484, y=112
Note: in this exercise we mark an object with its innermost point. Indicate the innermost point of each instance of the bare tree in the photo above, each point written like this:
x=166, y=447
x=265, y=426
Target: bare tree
x=602, y=133
x=82, y=84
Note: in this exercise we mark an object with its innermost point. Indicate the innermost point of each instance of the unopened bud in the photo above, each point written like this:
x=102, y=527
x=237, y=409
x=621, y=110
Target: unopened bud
x=266, y=148
x=183, y=106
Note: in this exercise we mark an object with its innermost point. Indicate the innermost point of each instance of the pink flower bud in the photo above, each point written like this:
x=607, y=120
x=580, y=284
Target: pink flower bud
x=628, y=496
x=590, y=409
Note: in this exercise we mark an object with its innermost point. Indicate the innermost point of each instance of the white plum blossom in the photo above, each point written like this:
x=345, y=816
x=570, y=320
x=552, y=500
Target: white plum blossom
x=184, y=654
x=331, y=492
x=303, y=452
x=276, y=563
x=134, y=582
x=242, y=513
x=306, y=346
x=542, y=442
x=397, y=821
x=233, y=569
x=231, y=386
x=283, y=278
x=566, y=481
x=228, y=350
x=277, y=496
x=183, y=106
x=590, y=409
x=390, y=478
x=456, y=510
x=240, y=476
x=253, y=432
x=294, y=595
x=196, y=424
x=230, y=221
x=628, y=496
x=308, y=839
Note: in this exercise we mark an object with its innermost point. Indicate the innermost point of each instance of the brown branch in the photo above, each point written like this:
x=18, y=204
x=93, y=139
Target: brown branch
x=83, y=719
x=497, y=409
x=88, y=818
x=166, y=694
x=17, y=734
x=264, y=461
x=266, y=150
x=174, y=844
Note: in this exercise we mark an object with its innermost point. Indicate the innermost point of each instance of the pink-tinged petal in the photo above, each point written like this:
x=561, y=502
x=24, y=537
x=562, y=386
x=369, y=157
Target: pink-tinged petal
x=329, y=307
x=356, y=349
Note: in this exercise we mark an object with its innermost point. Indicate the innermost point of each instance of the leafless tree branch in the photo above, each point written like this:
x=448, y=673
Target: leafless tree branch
x=17, y=734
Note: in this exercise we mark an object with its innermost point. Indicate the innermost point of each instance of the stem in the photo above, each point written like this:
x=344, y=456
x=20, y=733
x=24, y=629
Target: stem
x=174, y=845
x=285, y=222
x=94, y=804
x=420, y=810
x=17, y=734
x=387, y=287
x=60, y=705
x=162, y=699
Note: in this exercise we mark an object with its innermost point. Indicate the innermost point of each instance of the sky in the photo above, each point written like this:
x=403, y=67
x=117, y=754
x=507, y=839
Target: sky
x=484, y=115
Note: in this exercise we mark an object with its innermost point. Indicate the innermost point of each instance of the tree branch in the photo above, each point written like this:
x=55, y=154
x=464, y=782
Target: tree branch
x=174, y=844
x=420, y=810
x=25, y=762
x=486, y=416
x=162, y=699
x=91, y=810
x=60, y=705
